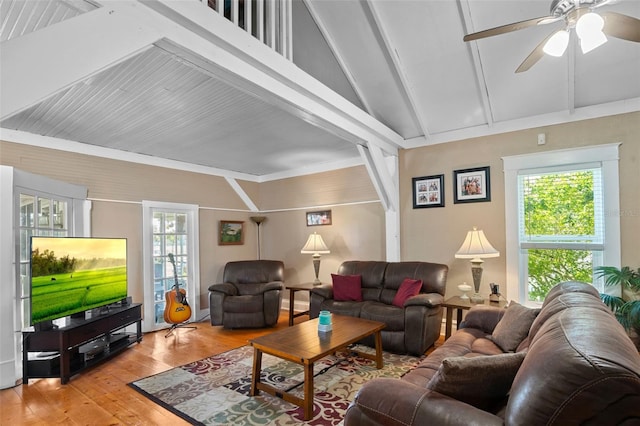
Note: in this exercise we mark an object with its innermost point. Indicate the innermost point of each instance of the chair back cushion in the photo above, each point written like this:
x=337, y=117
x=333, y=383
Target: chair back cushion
x=253, y=271
x=433, y=276
x=372, y=273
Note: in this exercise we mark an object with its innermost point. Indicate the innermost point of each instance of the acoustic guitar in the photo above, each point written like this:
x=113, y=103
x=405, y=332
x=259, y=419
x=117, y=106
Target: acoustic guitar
x=177, y=309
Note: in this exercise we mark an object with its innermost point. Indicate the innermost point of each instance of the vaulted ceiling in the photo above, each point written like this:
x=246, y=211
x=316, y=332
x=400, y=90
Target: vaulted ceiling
x=174, y=83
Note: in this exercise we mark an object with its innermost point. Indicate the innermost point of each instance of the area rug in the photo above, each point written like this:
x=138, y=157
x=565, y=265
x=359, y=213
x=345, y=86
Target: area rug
x=215, y=390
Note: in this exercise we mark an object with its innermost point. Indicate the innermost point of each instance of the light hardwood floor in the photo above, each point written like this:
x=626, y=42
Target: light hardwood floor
x=100, y=395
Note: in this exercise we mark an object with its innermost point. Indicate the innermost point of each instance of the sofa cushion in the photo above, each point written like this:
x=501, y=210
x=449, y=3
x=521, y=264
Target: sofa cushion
x=407, y=289
x=480, y=380
x=347, y=287
x=392, y=316
x=514, y=326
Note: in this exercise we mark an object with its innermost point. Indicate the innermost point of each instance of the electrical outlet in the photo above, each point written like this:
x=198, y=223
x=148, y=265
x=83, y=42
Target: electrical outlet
x=542, y=139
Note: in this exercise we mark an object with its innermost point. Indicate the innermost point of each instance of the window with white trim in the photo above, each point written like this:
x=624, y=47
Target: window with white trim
x=560, y=218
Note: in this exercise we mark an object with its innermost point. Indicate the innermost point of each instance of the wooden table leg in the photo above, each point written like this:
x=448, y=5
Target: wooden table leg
x=255, y=374
x=308, y=391
x=378, y=338
x=292, y=292
x=448, y=323
x=458, y=319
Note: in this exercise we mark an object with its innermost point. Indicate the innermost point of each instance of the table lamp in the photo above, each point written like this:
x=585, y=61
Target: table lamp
x=476, y=247
x=316, y=247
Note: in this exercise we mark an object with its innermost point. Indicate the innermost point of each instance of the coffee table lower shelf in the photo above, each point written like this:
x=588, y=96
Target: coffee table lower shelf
x=304, y=345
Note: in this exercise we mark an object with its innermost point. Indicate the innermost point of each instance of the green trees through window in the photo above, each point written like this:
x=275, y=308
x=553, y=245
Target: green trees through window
x=560, y=227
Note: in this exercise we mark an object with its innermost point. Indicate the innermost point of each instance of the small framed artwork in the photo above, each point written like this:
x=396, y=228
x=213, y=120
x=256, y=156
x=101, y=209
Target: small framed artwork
x=428, y=191
x=472, y=185
x=231, y=232
x=319, y=218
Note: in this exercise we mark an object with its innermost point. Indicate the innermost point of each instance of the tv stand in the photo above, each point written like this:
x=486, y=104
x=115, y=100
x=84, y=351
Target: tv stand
x=80, y=344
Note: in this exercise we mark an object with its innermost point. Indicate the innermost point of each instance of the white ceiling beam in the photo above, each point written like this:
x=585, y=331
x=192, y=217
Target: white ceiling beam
x=467, y=22
x=338, y=55
x=392, y=54
x=550, y=119
x=375, y=177
x=42, y=63
x=242, y=194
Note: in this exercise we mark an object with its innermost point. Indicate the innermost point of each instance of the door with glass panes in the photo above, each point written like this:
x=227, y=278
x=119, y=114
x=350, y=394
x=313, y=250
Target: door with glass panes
x=171, y=258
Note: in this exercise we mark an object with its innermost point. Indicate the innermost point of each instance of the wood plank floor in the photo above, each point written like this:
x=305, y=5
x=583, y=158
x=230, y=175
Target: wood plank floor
x=100, y=395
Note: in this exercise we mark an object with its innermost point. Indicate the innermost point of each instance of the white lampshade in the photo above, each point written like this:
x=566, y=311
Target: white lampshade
x=557, y=44
x=476, y=246
x=589, y=29
x=315, y=245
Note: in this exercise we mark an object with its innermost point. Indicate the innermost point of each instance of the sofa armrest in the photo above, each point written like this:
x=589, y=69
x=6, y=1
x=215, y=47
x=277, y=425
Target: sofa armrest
x=273, y=285
x=226, y=288
x=387, y=401
x=483, y=318
x=430, y=300
x=324, y=290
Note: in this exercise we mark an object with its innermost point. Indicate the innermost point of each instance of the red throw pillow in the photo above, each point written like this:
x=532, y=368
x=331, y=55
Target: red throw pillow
x=347, y=287
x=407, y=289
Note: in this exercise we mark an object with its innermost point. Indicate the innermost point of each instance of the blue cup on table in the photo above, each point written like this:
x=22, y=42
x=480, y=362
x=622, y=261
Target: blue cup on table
x=324, y=321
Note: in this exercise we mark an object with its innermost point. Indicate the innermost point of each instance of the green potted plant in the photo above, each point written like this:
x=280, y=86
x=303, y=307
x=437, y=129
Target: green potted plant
x=626, y=308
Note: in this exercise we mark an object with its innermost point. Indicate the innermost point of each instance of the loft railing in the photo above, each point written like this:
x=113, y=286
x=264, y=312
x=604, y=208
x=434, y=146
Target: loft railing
x=267, y=20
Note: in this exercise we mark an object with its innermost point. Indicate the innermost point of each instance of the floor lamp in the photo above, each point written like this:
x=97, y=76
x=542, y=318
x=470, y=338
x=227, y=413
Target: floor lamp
x=315, y=246
x=258, y=220
x=476, y=247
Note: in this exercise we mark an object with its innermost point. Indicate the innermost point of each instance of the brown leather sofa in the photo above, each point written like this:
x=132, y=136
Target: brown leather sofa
x=411, y=329
x=249, y=296
x=576, y=366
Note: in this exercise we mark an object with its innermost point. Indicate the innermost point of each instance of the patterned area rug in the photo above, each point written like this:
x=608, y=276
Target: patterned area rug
x=215, y=390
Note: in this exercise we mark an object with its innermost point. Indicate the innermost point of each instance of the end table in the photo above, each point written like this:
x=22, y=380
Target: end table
x=293, y=288
x=459, y=304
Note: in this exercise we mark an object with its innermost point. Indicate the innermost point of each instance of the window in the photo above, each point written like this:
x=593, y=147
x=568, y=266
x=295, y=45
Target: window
x=558, y=228
x=169, y=228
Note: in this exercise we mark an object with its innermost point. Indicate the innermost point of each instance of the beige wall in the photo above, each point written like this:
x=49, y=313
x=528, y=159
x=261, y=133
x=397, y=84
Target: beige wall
x=435, y=234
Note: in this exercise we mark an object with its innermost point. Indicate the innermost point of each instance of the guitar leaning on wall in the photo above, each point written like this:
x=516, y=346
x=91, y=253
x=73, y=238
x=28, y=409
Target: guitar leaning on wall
x=177, y=309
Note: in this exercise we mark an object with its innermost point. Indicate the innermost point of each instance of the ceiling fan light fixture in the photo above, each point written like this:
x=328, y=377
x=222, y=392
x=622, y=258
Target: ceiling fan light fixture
x=557, y=44
x=589, y=29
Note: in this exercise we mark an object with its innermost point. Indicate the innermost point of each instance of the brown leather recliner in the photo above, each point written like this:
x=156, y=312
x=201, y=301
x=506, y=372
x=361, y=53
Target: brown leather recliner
x=249, y=296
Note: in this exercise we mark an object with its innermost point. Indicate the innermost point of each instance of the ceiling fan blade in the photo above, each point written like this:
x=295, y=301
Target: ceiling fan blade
x=534, y=56
x=621, y=26
x=511, y=27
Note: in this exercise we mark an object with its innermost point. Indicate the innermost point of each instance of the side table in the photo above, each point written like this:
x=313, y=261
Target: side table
x=293, y=288
x=459, y=304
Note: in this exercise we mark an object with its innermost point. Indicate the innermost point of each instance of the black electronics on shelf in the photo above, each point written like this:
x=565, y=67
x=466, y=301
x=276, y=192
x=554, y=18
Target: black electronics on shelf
x=83, y=342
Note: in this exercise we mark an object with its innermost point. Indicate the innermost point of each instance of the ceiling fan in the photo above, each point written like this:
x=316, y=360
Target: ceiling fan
x=592, y=28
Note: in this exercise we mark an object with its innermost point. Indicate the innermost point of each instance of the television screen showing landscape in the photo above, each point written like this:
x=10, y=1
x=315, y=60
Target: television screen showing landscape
x=71, y=275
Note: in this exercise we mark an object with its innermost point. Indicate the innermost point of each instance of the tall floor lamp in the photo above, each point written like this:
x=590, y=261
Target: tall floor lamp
x=258, y=220
x=476, y=247
x=315, y=246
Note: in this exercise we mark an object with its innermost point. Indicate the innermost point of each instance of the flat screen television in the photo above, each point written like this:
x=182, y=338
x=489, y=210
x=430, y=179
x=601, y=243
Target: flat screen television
x=70, y=275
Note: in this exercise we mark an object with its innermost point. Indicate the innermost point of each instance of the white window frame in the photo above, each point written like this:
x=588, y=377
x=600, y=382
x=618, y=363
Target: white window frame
x=193, y=283
x=607, y=156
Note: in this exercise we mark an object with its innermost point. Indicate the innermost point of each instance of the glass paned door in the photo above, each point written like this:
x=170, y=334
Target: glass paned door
x=170, y=254
x=169, y=238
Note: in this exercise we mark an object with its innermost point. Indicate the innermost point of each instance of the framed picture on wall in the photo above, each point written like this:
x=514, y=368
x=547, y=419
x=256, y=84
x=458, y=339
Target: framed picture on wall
x=471, y=185
x=428, y=191
x=231, y=232
x=319, y=218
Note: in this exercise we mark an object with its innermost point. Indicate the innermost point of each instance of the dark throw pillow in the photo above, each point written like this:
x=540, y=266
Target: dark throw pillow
x=407, y=289
x=482, y=381
x=514, y=326
x=347, y=287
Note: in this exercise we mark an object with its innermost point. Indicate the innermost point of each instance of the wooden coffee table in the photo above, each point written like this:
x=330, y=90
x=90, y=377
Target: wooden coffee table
x=304, y=345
